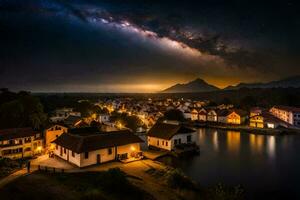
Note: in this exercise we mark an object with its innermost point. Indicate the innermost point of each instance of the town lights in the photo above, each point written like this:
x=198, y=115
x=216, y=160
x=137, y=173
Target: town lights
x=39, y=148
x=132, y=148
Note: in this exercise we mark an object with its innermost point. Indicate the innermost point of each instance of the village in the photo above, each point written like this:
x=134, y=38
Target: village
x=102, y=137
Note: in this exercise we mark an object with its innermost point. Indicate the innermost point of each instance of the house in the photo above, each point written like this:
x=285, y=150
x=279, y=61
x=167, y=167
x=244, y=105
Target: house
x=91, y=148
x=53, y=132
x=63, y=113
x=223, y=116
x=237, y=116
x=256, y=121
x=20, y=142
x=267, y=120
x=167, y=135
x=202, y=115
x=212, y=116
x=103, y=118
x=288, y=114
x=194, y=115
x=73, y=121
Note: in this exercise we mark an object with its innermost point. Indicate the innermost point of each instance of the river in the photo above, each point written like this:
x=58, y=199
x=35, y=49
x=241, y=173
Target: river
x=266, y=166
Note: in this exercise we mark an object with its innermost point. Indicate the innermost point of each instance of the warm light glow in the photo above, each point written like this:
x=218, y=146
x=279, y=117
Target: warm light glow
x=132, y=148
x=39, y=148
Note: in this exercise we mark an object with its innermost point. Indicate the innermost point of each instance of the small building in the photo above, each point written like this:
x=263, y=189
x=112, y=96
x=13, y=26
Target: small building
x=267, y=120
x=168, y=135
x=52, y=133
x=91, y=148
x=202, y=115
x=237, y=116
x=104, y=118
x=288, y=114
x=212, y=116
x=194, y=115
x=223, y=116
x=20, y=142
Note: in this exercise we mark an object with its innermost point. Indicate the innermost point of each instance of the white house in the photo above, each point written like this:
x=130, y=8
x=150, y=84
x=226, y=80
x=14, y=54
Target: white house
x=212, y=116
x=288, y=114
x=168, y=135
x=194, y=115
x=88, y=149
x=202, y=115
x=103, y=118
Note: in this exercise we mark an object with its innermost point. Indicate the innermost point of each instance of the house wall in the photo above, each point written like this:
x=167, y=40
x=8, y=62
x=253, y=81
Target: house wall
x=152, y=141
x=28, y=149
x=222, y=119
x=283, y=115
x=194, y=116
x=257, y=121
x=234, y=118
x=52, y=133
x=202, y=117
x=129, y=148
x=81, y=161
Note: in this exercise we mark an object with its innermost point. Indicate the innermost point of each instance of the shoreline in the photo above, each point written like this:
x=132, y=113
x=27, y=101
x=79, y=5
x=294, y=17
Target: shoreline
x=244, y=128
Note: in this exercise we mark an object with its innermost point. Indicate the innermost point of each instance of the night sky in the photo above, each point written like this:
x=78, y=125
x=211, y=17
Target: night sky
x=145, y=46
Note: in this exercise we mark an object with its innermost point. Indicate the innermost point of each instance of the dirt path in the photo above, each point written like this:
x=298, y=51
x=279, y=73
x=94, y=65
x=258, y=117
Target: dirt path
x=12, y=177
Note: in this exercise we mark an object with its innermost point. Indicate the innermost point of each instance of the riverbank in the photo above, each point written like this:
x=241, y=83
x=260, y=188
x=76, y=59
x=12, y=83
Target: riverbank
x=144, y=179
x=245, y=128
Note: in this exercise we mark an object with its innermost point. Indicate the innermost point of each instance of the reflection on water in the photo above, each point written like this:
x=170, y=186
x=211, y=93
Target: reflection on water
x=263, y=164
x=233, y=141
x=256, y=143
x=215, y=140
x=271, y=146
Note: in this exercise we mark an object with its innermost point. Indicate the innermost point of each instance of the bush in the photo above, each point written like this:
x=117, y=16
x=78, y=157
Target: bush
x=176, y=179
x=223, y=192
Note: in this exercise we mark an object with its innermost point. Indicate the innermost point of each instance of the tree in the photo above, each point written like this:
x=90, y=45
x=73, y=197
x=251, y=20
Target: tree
x=174, y=114
x=21, y=110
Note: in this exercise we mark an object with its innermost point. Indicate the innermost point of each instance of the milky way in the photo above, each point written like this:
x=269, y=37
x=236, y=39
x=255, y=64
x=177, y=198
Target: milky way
x=144, y=46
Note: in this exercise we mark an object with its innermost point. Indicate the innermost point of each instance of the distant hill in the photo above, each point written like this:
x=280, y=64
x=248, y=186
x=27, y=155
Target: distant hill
x=293, y=82
x=197, y=85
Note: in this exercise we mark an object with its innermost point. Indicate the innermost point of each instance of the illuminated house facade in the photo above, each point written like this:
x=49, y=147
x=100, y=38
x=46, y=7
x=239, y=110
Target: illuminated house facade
x=20, y=143
x=236, y=117
x=52, y=133
x=88, y=149
x=167, y=135
x=288, y=114
x=212, y=116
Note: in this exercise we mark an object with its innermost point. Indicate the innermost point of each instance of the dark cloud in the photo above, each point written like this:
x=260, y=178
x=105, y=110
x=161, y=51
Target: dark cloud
x=49, y=44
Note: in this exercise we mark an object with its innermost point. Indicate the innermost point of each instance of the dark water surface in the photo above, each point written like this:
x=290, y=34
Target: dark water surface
x=267, y=167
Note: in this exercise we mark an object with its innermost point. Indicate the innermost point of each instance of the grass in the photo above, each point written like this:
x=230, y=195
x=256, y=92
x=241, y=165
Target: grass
x=112, y=184
x=8, y=166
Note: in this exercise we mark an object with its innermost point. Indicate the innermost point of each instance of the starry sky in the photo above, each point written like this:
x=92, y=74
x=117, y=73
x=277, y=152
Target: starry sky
x=145, y=46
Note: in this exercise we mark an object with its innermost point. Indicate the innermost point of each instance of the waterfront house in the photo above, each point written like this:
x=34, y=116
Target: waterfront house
x=87, y=147
x=202, y=114
x=194, y=115
x=267, y=120
x=20, y=142
x=288, y=114
x=236, y=116
x=212, y=116
x=167, y=135
x=53, y=132
x=104, y=117
x=223, y=116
